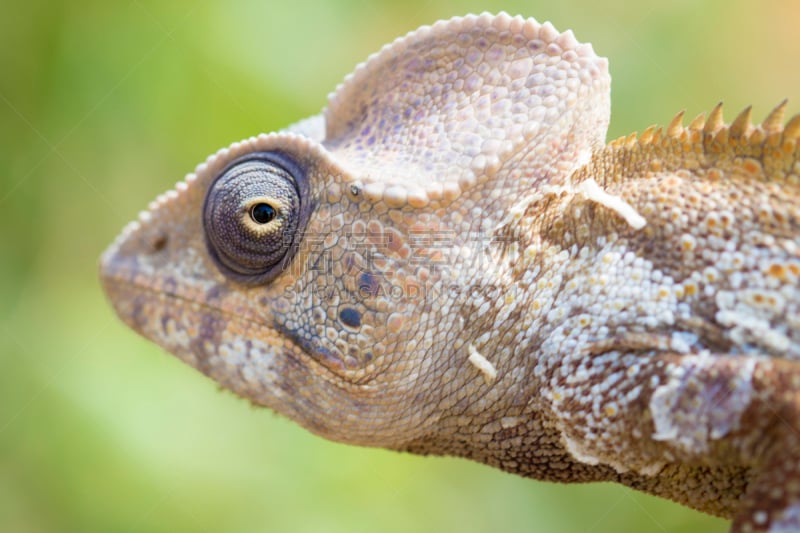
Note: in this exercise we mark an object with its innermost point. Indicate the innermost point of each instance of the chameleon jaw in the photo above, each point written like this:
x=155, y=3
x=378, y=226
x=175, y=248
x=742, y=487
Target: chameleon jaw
x=255, y=358
x=245, y=356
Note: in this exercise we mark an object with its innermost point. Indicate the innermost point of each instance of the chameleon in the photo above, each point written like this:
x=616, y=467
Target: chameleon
x=450, y=260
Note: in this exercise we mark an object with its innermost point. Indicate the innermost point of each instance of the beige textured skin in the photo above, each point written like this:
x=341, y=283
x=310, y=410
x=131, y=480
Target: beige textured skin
x=528, y=298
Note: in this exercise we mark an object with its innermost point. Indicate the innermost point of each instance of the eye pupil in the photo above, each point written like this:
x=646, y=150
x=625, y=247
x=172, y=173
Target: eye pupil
x=262, y=213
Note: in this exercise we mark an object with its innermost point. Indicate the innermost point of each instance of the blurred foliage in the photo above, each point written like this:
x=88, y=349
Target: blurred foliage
x=105, y=104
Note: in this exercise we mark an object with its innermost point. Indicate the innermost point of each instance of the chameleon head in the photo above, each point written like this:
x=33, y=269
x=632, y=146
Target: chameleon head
x=329, y=271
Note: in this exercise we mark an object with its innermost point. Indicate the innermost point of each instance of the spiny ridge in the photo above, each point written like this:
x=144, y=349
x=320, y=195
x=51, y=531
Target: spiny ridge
x=675, y=128
x=647, y=135
x=774, y=121
x=698, y=122
x=792, y=130
x=715, y=120
x=741, y=124
x=716, y=131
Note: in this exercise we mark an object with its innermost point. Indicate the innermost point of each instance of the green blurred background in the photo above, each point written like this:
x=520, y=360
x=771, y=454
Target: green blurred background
x=105, y=104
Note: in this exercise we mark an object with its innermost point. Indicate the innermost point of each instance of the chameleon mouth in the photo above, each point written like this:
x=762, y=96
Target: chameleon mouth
x=245, y=356
x=210, y=338
x=258, y=362
x=139, y=290
x=185, y=321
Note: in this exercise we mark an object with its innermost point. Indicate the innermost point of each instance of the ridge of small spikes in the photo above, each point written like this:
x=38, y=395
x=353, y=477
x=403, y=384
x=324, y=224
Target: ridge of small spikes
x=715, y=130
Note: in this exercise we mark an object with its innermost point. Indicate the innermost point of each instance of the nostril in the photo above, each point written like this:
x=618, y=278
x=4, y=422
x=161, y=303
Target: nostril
x=159, y=243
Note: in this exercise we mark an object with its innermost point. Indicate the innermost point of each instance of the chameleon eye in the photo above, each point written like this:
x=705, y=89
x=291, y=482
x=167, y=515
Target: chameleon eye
x=251, y=216
x=262, y=213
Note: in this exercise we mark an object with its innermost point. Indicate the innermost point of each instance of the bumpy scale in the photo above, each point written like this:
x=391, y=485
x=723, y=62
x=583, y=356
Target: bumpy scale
x=447, y=260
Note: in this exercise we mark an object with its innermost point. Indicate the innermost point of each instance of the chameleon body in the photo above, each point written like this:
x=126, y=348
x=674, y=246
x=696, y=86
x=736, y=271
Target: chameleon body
x=449, y=260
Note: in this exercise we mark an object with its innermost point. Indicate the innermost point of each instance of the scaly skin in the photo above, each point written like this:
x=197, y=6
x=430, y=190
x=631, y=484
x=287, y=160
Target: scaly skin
x=472, y=273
